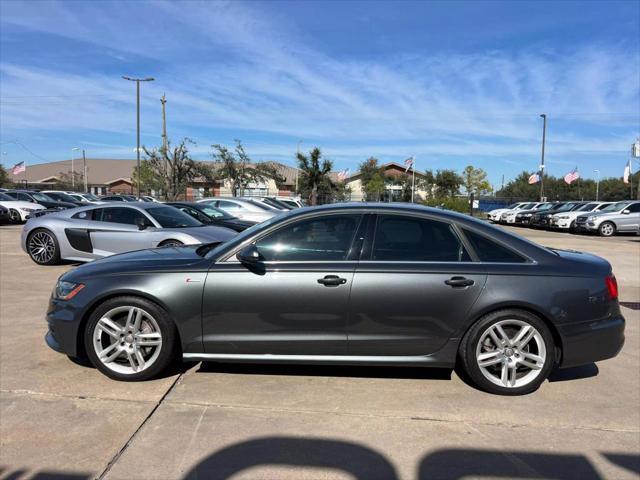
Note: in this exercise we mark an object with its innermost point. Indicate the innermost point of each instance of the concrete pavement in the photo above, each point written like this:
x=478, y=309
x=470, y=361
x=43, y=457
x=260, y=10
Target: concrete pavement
x=63, y=420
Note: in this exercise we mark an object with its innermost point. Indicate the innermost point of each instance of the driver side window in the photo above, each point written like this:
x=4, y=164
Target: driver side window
x=325, y=238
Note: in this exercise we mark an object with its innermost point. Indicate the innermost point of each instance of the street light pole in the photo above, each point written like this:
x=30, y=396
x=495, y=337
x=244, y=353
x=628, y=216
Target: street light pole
x=597, y=172
x=297, y=169
x=544, y=132
x=73, y=170
x=138, y=80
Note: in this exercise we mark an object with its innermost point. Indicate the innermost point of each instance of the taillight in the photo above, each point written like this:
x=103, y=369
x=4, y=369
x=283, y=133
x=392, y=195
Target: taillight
x=612, y=286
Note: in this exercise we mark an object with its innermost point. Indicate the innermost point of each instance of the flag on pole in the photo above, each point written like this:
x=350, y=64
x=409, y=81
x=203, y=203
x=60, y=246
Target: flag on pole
x=535, y=178
x=18, y=168
x=343, y=174
x=627, y=172
x=408, y=163
x=572, y=176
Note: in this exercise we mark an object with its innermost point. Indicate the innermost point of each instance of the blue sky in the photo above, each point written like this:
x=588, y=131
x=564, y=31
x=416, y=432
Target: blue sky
x=453, y=83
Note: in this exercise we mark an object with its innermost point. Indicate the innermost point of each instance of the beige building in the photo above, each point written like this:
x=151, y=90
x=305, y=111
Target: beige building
x=392, y=192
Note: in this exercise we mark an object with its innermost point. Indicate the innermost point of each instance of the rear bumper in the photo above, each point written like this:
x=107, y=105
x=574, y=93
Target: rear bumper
x=593, y=341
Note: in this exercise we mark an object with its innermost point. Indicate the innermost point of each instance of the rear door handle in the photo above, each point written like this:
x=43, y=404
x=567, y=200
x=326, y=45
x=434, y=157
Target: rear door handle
x=457, y=282
x=332, y=281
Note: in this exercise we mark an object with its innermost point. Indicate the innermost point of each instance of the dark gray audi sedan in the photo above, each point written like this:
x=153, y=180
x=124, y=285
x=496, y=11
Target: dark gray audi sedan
x=373, y=284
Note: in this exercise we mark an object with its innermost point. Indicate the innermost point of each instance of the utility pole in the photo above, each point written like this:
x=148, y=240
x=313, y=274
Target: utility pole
x=163, y=101
x=84, y=170
x=544, y=132
x=597, y=172
x=138, y=80
x=297, y=169
x=73, y=170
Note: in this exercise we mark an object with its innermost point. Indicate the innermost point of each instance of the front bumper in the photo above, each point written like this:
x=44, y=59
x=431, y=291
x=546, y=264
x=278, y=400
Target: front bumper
x=63, y=319
x=592, y=341
x=556, y=223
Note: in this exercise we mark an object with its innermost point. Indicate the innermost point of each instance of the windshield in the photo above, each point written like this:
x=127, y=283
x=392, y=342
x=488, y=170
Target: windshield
x=558, y=206
x=63, y=197
x=169, y=217
x=4, y=196
x=546, y=206
x=587, y=208
x=277, y=203
x=90, y=196
x=261, y=206
x=41, y=197
x=215, y=213
x=615, y=207
x=528, y=206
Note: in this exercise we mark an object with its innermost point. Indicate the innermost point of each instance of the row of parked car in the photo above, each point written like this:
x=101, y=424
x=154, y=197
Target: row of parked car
x=58, y=230
x=603, y=218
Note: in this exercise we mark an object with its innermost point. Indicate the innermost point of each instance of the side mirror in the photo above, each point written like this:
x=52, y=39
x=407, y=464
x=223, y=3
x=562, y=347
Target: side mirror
x=141, y=223
x=249, y=255
x=626, y=212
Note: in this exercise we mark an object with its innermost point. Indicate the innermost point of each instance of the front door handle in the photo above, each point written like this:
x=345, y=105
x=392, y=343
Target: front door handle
x=332, y=281
x=457, y=282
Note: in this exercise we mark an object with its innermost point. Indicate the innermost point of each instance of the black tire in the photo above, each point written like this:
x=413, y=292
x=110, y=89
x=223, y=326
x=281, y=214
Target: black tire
x=14, y=216
x=38, y=234
x=168, y=350
x=606, y=229
x=468, y=364
x=171, y=243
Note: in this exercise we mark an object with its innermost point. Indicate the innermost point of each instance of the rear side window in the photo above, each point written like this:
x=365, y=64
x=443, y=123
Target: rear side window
x=412, y=239
x=326, y=238
x=490, y=251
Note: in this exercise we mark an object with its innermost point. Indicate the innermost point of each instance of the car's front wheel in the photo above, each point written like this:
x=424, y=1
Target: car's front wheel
x=130, y=338
x=509, y=352
x=43, y=247
x=606, y=229
x=14, y=216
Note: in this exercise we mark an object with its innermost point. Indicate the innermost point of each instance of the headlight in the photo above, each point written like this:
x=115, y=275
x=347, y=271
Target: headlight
x=66, y=290
x=527, y=214
x=563, y=218
x=591, y=219
x=29, y=210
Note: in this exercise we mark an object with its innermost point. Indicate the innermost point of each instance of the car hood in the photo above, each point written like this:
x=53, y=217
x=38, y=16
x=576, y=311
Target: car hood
x=143, y=261
x=21, y=204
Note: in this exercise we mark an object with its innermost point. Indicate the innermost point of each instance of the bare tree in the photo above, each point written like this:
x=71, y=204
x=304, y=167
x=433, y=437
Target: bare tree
x=173, y=167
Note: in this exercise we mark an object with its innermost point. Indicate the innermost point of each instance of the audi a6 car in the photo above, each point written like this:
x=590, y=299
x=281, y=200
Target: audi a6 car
x=372, y=284
x=86, y=233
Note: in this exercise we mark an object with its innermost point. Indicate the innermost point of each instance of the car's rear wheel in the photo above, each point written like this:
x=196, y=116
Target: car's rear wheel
x=130, y=338
x=606, y=229
x=171, y=243
x=509, y=352
x=43, y=247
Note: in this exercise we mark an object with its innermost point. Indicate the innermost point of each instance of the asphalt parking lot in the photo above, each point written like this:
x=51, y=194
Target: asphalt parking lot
x=59, y=419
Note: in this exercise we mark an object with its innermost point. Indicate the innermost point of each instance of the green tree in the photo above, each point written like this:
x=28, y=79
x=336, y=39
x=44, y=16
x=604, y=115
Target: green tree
x=174, y=166
x=5, y=180
x=236, y=167
x=314, y=176
x=475, y=181
x=372, y=178
x=150, y=179
x=448, y=183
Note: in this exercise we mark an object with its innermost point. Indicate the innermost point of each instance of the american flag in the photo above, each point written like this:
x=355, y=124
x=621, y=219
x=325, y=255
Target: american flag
x=18, y=168
x=343, y=174
x=572, y=176
x=408, y=163
x=535, y=178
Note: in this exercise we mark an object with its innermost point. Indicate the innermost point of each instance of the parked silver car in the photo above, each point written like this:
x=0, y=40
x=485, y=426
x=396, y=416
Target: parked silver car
x=567, y=220
x=87, y=233
x=617, y=217
x=242, y=209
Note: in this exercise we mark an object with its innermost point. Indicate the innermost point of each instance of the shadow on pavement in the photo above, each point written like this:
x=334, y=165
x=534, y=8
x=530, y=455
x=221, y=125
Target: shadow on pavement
x=574, y=373
x=326, y=370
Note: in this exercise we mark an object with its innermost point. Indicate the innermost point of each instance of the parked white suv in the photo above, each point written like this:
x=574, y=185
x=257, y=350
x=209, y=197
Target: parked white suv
x=494, y=215
x=617, y=217
x=18, y=210
x=567, y=220
x=509, y=216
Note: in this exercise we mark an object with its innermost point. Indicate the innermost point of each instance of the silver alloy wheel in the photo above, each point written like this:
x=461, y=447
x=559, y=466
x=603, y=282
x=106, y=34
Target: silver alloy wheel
x=14, y=216
x=511, y=353
x=42, y=247
x=606, y=229
x=127, y=340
